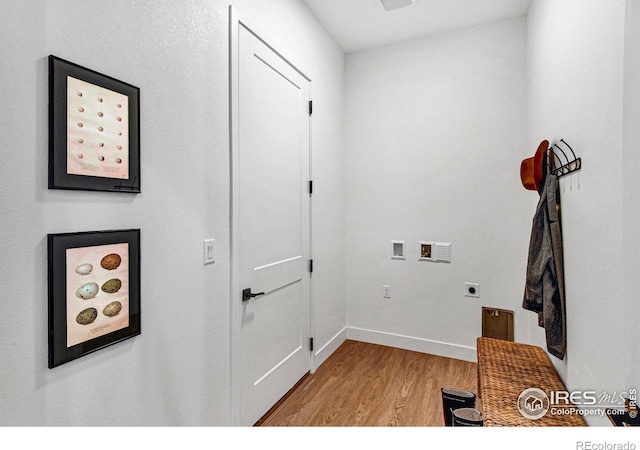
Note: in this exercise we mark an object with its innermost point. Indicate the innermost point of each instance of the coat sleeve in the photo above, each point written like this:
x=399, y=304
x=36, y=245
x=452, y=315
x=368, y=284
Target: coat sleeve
x=538, y=260
x=554, y=295
x=544, y=287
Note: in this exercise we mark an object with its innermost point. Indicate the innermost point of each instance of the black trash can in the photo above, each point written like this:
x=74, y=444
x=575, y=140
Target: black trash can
x=453, y=399
x=467, y=417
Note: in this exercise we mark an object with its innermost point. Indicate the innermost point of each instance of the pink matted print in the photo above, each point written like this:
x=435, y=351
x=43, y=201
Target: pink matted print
x=97, y=131
x=97, y=296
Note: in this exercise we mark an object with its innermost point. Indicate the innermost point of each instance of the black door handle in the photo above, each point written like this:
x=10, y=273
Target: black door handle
x=248, y=295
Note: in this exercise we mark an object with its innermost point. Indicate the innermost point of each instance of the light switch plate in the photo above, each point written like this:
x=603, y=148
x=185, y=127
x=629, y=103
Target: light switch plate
x=209, y=251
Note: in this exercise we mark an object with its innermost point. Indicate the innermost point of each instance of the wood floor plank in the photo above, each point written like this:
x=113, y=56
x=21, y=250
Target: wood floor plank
x=363, y=384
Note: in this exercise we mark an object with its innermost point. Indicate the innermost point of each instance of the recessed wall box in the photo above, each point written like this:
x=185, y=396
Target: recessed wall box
x=426, y=251
x=397, y=250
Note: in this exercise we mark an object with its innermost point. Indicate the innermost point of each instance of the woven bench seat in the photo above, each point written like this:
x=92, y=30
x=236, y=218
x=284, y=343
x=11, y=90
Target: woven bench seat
x=505, y=369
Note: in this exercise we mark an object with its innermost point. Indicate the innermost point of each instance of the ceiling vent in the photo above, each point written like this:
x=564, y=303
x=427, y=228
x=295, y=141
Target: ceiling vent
x=392, y=5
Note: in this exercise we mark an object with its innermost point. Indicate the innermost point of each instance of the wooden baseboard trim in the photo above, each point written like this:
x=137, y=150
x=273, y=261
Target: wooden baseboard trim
x=438, y=348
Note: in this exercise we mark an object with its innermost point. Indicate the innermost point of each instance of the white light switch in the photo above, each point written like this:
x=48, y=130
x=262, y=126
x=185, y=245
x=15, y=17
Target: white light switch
x=208, y=251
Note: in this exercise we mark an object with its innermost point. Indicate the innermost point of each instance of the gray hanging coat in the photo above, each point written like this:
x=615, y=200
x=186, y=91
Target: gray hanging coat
x=544, y=288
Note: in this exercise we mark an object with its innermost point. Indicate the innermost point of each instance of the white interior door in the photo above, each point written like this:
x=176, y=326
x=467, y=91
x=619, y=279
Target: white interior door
x=271, y=229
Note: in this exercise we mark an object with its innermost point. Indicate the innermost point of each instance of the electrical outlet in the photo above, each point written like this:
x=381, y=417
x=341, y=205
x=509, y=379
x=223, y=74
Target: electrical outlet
x=386, y=291
x=472, y=290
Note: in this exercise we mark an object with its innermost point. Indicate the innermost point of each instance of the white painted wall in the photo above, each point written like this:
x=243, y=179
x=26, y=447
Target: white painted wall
x=575, y=91
x=435, y=133
x=177, y=372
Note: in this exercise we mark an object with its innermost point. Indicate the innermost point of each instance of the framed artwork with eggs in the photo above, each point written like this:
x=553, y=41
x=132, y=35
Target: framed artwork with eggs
x=94, y=130
x=94, y=291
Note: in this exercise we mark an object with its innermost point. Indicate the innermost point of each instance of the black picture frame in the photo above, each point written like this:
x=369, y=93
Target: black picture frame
x=94, y=296
x=94, y=130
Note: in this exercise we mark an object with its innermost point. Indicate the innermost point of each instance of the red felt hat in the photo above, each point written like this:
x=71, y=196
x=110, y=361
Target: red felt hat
x=532, y=169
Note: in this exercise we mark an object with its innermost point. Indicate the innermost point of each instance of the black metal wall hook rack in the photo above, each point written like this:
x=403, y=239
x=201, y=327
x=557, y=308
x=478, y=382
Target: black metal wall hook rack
x=132, y=187
x=562, y=165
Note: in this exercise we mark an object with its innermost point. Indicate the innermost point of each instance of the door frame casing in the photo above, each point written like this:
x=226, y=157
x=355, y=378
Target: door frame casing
x=236, y=20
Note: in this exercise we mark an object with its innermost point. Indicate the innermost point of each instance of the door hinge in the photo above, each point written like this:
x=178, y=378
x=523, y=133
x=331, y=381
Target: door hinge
x=310, y=187
x=310, y=107
x=310, y=344
x=311, y=265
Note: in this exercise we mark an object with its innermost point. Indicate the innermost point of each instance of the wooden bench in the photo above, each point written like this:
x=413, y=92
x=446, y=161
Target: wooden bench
x=505, y=370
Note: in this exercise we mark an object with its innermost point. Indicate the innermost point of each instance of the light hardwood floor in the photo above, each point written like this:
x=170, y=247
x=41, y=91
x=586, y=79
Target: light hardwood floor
x=363, y=384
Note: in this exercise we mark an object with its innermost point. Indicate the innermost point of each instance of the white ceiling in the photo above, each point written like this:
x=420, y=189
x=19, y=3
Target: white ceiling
x=361, y=24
